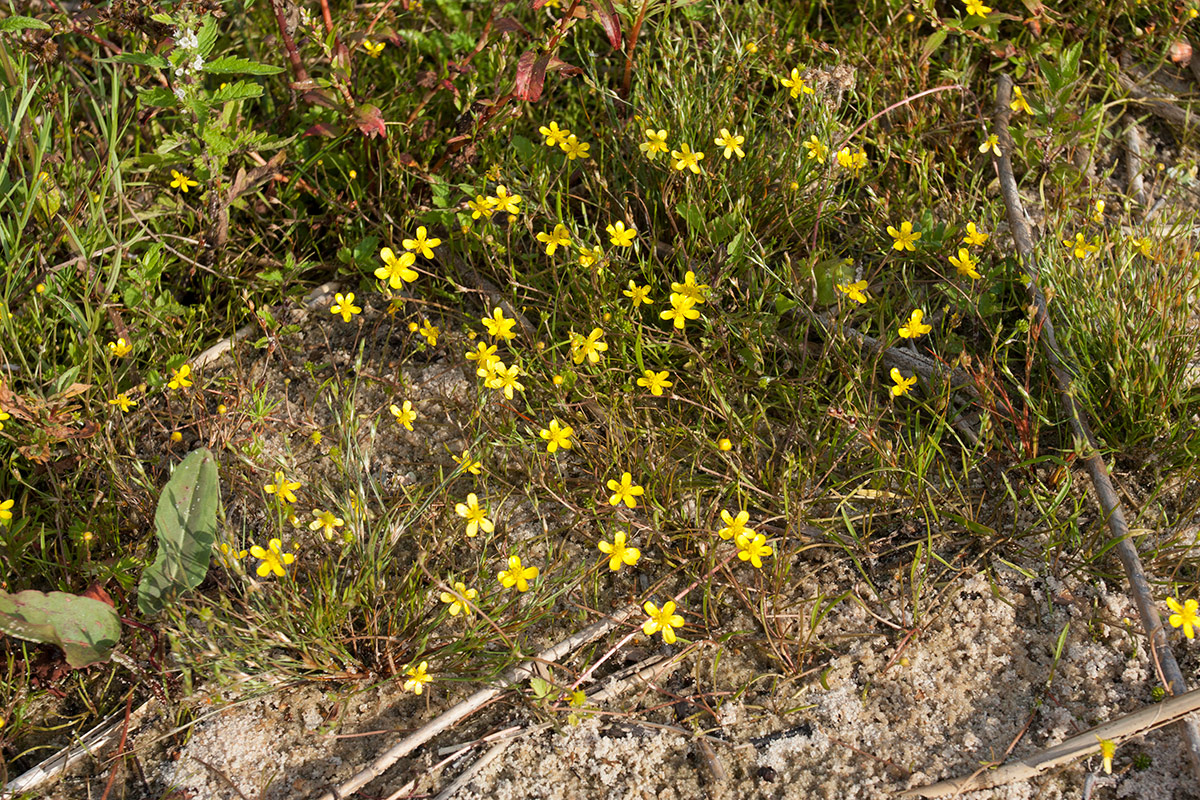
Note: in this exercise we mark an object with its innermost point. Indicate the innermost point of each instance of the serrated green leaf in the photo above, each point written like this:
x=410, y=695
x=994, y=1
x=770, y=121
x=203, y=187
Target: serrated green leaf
x=140, y=59
x=85, y=628
x=186, y=523
x=237, y=91
x=207, y=35
x=17, y=23
x=158, y=97
x=232, y=65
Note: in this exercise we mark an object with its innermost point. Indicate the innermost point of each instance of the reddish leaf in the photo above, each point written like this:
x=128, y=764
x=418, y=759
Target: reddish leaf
x=558, y=65
x=610, y=21
x=531, y=75
x=369, y=120
x=510, y=25
x=539, y=3
x=325, y=129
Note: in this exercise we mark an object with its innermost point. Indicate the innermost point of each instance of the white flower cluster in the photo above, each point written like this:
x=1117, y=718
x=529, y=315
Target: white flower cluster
x=192, y=61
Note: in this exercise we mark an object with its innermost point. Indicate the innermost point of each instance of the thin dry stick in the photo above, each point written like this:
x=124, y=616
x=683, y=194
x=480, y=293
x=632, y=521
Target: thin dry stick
x=313, y=299
x=461, y=711
x=1063, y=372
x=1086, y=743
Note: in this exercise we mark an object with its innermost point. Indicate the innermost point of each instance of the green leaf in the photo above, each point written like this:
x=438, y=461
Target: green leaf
x=18, y=23
x=523, y=147
x=933, y=43
x=207, y=36
x=236, y=91
x=231, y=65
x=692, y=215
x=158, y=97
x=85, y=628
x=140, y=59
x=186, y=523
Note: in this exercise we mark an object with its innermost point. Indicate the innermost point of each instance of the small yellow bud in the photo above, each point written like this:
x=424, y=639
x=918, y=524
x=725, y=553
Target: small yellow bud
x=176, y=436
x=724, y=445
x=221, y=409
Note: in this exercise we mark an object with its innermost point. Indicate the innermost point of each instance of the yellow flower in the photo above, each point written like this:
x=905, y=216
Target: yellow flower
x=731, y=142
x=575, y=148
x=1098, y=213
x=619, y=235
x=853, y=161
x=516, y=575
x=326, y=521
x=992, y=142
x=182, y=182
x=665, y=620
x=914, y=327
x=656, y=142
x=475, y=515
x=589, y=257
x=682, y=309
x=554, y=134
x=423, y=244
x=965, y=264
x=690, y=289
x=655, y=381
x=751, y=48
x=430, y=332
x=556, y=436
x=724, y=445
x=974, y=237
x=589, y=347
x=1185, y=616
x=123, y=400
x=753, y=548
x=557, y=238
x=855, y=291
x=468, y=464
x=481, y=207
x=417, y=678
x=1108, y=749
x=638, y=294
x=396, y=270
x=903, y=384
x=282, y=488
x=686, y=159
x=5, y=416
x=976, y=8
x=1018, y=102
x=6, y=514
x=405, y=416
x=459, y=599
x=179, y=380
x=483, y=355
x=626, y=491
x=905, y=237
x=816, y=149
x=618, y=552
x=273, y=558
x=796, y=83
x=505, y=379
x=503, y=201
x=344, y=304
x=120, y=348
x=373, y=48
x=735, y=527
x=1082, y=248
x=498, y=326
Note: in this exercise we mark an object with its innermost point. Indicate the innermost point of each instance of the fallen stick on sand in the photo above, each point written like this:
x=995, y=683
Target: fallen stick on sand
x=1067, y=751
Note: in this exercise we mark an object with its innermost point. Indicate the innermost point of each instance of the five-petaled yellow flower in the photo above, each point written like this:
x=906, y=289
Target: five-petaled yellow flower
x=656, y=142
x=796, y=83
x=505, y=379
x=475, y=515
x=430, y=332
x=406, y=416
x=618, y=552
x=396, y=270
x=685, y=158
x=417, y=678
x=626, y=491
x=182, y=182
x=1185, y=615
x=423, y=244
x=752, y=548
x=179, y=380
x=483, y=355
x=282, y=488
x=6, y=514
x=589, y=347
x=273, y=558
x=460, y=599
x=853, y=161
x=992, y=142
x=1019, y=103
x=690, y=289
x=817, y=149
x=1144, y=245
x=503, y=201
x=557, y=238
x=855, y=291
x=554, y=134
x=731, y=142
x=965, y=264
x=516, y=575
x=665, y=620
x=123, y=400
x=914, y=327
x=468, y=464
x=575, y=148
x=556, y=436
x=344, y=304
x=904, y=237
x=682, y=309
x=619, y=235
x=481, y=207
x=120, y=348
x=1082, y=248
x=638, y=294
x=974, y=237
x=5, y=416
x=590, y=256
x=327, y=522
x=902, y=384
x=655, y=381
x=500, y=327
x=373, y=48
x=976, y=8
x=735, y=527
